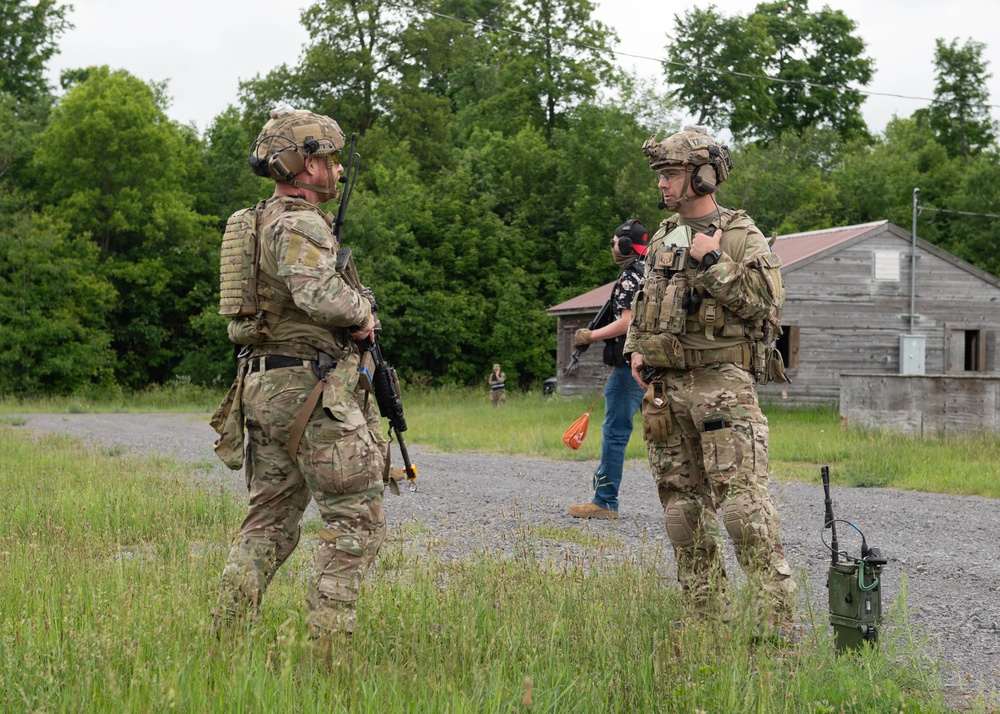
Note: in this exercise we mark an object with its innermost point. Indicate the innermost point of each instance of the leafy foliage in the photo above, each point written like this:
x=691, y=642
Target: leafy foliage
x=780, y=68
x=112, y=167
x=501, y=149
x=28, y=34
x=53, y=305
x=960, y=113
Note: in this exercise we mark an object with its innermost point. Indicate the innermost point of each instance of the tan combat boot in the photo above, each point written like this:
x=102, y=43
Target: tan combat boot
x=592, y=510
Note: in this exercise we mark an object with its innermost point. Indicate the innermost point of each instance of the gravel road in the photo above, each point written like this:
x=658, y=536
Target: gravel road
x=946, y=546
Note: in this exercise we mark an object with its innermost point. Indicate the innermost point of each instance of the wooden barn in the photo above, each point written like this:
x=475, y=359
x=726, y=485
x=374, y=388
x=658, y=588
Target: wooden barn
x=863, y=299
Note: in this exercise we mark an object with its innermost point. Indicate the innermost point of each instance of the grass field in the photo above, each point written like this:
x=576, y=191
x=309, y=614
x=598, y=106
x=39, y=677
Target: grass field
x=109, y=566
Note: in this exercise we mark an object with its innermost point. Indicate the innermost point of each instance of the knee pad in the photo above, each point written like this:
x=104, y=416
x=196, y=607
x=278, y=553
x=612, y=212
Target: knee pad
x=735, y=517
x=680, y=531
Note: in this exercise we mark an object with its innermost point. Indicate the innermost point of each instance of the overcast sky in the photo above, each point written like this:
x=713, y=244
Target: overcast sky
x=204, y=48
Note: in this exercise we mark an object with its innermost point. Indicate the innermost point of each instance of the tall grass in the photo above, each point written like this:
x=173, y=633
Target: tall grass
x=178, y=395
x=109, y=567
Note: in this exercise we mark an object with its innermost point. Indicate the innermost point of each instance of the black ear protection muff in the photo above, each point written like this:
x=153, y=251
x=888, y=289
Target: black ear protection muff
x=629, y=234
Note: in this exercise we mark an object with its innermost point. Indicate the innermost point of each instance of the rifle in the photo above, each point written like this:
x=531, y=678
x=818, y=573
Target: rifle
x=602, y=318
x=375, y=373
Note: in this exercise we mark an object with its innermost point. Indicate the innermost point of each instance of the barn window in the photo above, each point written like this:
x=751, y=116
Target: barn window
x=975, y=351
x=970, y=348
x=885, y=265
x=788, y=346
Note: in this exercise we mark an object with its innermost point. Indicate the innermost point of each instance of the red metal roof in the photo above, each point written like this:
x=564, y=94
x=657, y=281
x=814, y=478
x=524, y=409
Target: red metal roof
x=799, y=246
x=792, y=248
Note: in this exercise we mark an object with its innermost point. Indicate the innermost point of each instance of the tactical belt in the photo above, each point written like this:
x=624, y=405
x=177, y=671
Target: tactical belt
x=266, y=362
x=740, y=354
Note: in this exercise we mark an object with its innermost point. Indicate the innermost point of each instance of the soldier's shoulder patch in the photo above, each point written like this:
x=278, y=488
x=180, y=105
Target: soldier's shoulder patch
x=311, y=226
x=301, y=250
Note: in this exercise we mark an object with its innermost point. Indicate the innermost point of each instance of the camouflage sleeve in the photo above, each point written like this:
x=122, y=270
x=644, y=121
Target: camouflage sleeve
x=306, y=252
x=738, y=280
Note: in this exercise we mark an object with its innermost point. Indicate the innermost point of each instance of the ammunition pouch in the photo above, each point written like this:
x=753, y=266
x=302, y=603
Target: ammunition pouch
x=768, y=365
x=659, y=305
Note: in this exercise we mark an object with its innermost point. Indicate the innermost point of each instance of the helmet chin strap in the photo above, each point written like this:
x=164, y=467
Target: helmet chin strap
x=331, y=192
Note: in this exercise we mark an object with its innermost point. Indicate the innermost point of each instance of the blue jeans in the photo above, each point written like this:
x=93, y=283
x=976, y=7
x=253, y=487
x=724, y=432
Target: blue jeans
x=622, y=398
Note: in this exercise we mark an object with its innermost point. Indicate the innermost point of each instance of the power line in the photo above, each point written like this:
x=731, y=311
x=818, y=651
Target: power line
x=734, y=73
x=921, y=209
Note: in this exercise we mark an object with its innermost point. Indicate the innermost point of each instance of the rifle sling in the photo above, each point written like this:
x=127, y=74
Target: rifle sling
x=299, y=425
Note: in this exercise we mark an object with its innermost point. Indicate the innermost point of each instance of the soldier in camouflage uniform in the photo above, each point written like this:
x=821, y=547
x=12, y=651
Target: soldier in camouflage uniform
x=498, y=386
x=698, y=342
x=313, y=433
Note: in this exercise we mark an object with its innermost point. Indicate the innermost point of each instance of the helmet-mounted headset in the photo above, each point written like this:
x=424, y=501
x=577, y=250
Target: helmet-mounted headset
x=292, y=135
x=705, y=162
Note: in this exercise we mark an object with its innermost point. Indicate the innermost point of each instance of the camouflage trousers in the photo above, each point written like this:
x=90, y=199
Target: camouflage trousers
x=339, y=465
x=707, y=440
x=498, y=396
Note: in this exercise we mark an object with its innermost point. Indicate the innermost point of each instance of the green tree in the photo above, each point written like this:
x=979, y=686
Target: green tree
x=717, y=65
x=28, y=39
x=113, y=167
x=559, y=55
x=347, y=69
x=960, y=114
x=818, y=60
x=53, y=306
x=815, y=59
x=226, y=183
x=785, y=186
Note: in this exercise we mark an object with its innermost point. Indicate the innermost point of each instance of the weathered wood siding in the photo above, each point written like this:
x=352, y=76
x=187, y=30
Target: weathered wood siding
x=589, y=376
x=925, y=406
x=848, y=322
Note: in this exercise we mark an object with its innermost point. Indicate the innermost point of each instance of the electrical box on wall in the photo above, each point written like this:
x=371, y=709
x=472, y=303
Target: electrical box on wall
x=912, y=349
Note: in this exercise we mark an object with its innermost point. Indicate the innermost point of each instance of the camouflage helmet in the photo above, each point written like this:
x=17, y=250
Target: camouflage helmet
x=291, y=135
x=691, y=147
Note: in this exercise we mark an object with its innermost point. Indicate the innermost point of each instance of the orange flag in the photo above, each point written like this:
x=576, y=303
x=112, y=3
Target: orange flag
x=577, y=432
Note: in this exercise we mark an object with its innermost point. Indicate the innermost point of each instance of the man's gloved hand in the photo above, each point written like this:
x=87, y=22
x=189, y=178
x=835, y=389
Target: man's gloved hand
x=582, y=338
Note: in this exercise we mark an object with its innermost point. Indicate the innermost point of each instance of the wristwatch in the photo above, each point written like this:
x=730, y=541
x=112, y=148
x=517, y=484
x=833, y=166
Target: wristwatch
x=710, y=259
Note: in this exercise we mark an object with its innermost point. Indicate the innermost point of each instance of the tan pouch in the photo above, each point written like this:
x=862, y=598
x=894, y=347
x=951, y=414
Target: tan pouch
x=228, y=423
x=646, y=309
x=341, y=383
x=672, y=312
x=776, y=368
x=662, y=350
